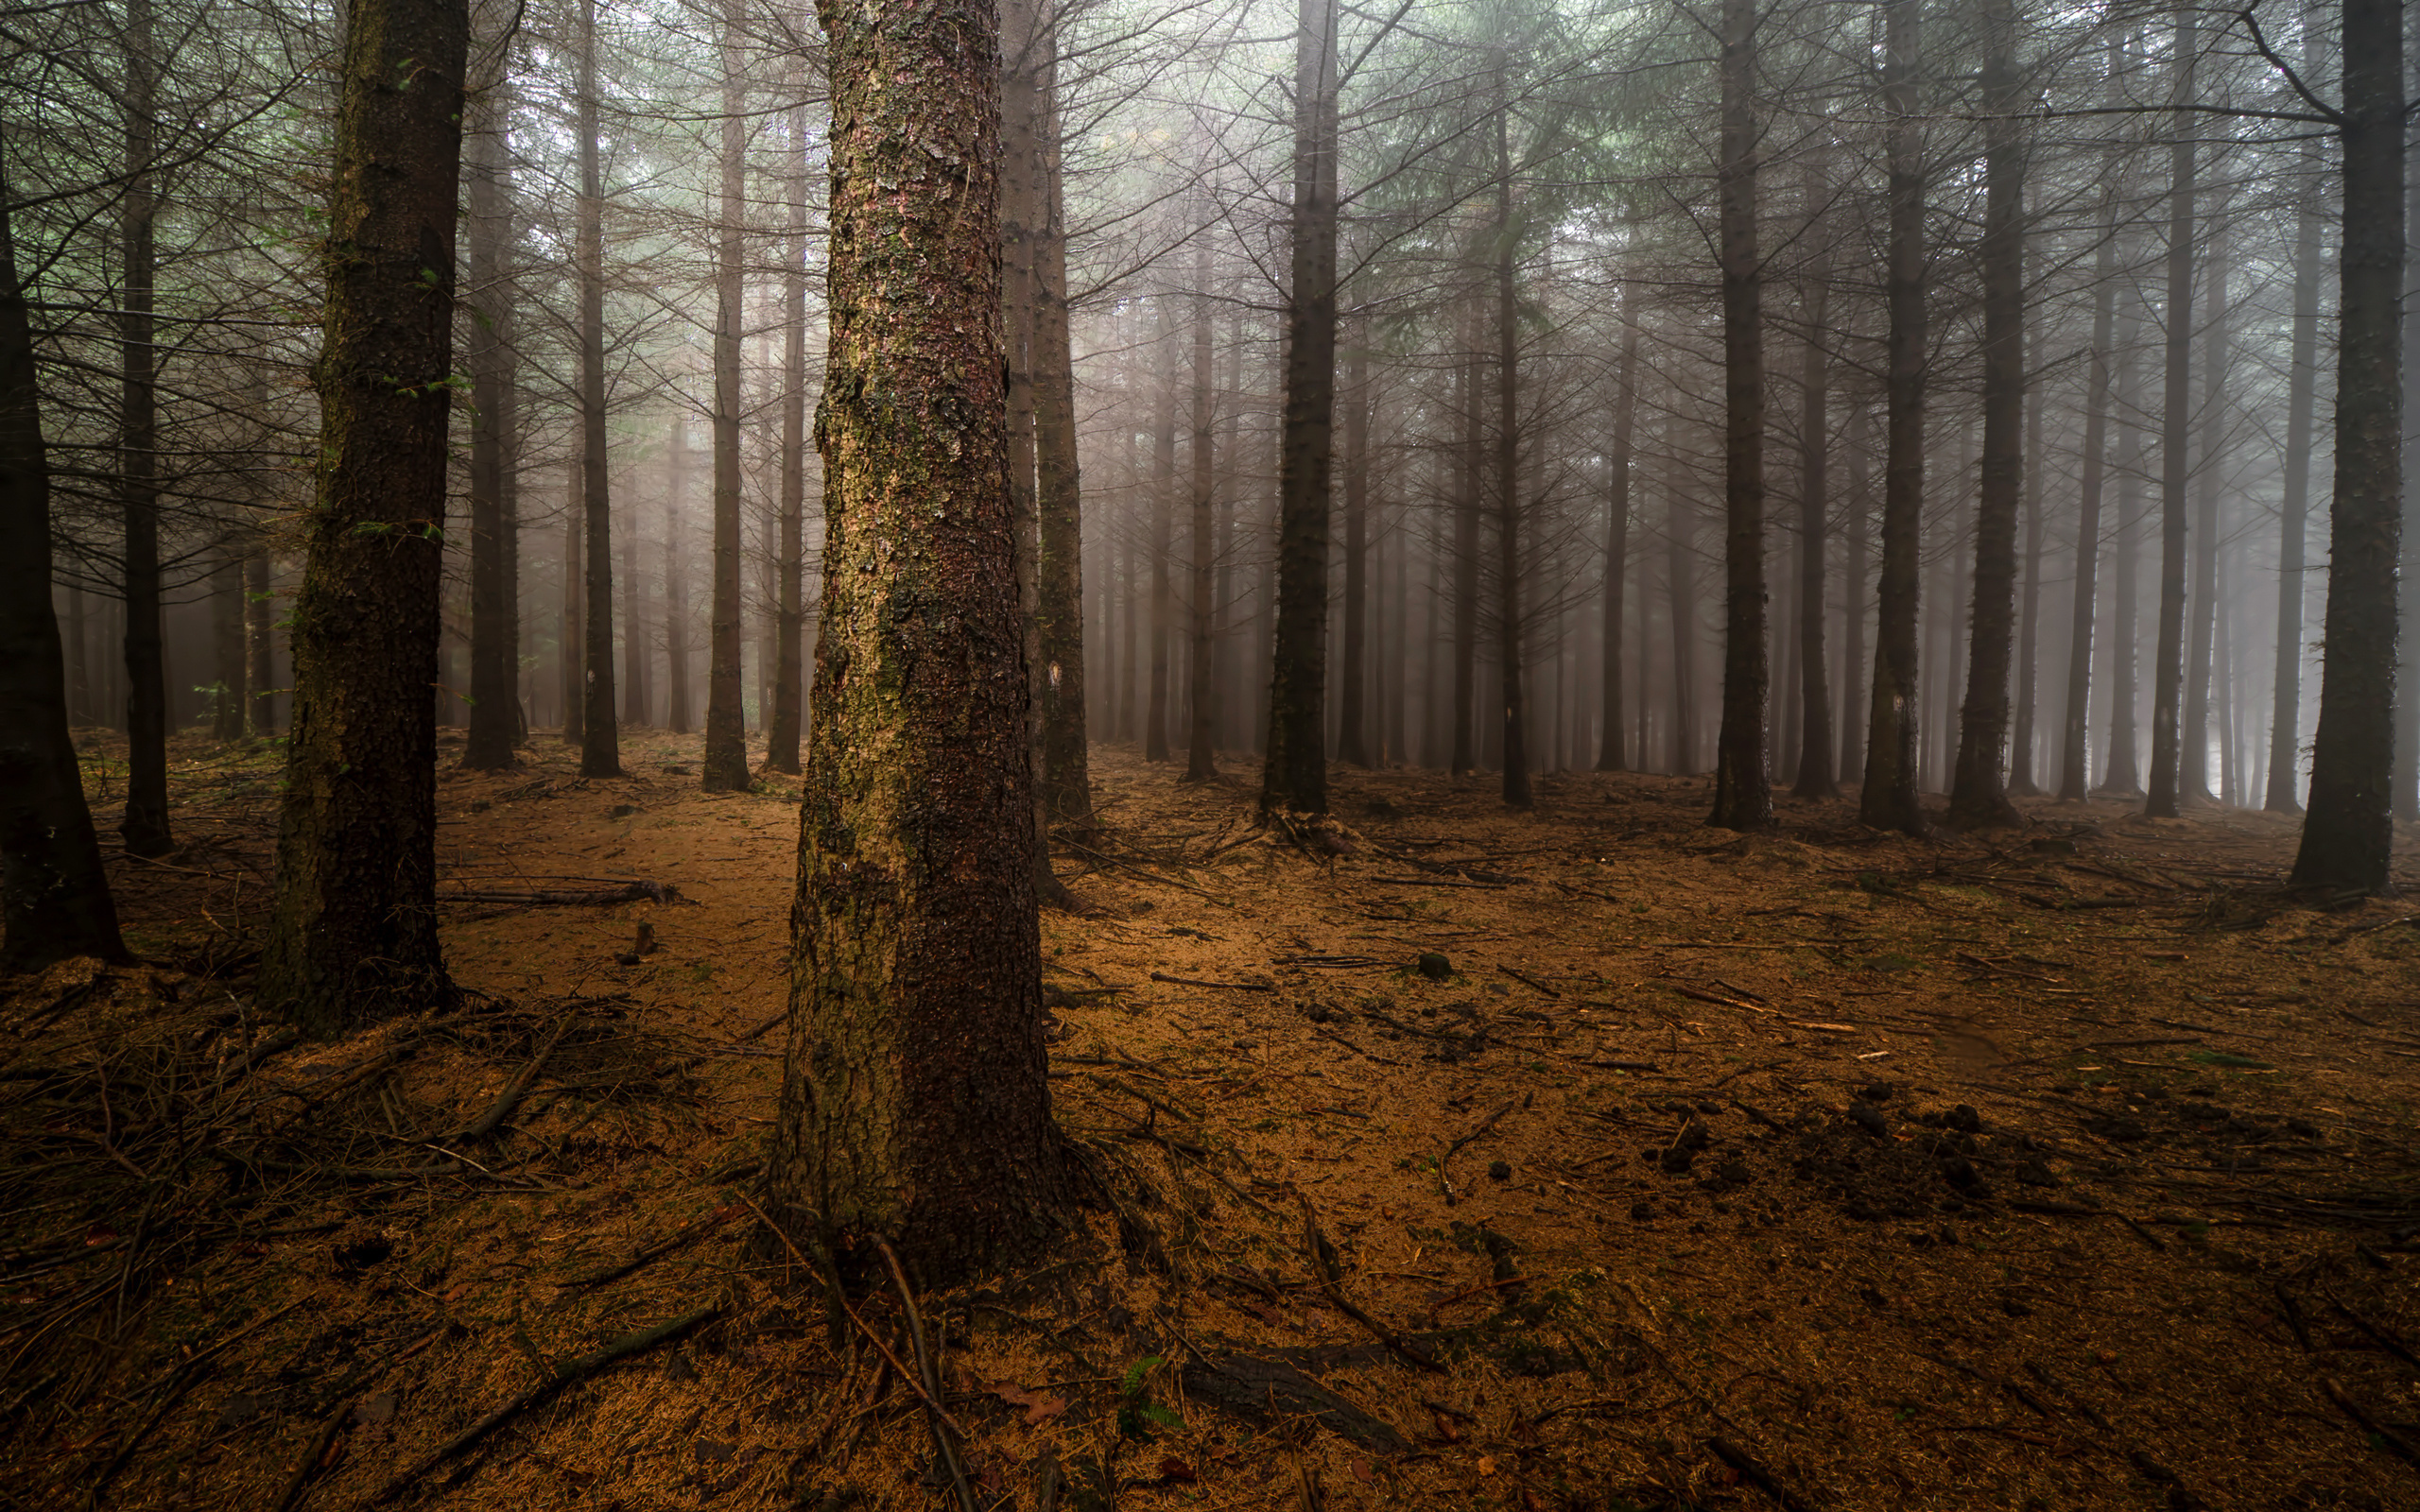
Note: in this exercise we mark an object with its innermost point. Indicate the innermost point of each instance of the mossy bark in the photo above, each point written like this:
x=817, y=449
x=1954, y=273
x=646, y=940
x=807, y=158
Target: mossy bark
x=352, y=934
x=916, y=1103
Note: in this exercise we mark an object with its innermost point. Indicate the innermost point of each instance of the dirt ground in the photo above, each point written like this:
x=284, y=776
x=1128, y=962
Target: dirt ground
x=1658, y=1167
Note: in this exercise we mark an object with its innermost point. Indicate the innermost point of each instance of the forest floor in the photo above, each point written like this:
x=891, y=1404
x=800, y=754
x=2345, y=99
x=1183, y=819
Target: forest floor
x=2073, y=1166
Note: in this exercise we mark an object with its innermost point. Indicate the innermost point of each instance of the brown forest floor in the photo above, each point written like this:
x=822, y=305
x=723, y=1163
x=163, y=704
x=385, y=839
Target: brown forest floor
x=2071, y=1167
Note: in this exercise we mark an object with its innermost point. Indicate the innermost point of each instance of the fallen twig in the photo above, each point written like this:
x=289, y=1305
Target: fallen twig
x=1326, y=1271
x=628, y=892
x=485, y=1125
x=1232, y=987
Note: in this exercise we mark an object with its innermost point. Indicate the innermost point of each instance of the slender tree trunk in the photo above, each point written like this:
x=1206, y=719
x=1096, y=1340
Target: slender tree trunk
x=1889, y=797
x=574, y=641
x=1201, y=757
x=637, y=651
x=1979, y=796
x=600, y=752
x=489, y=226
x=353, y=932
x=676, y=701
x=54, y=896
x=2293, y=514
x=1856, y=551
x=227, y=641
x=1510, y=626
x=1609, y=753
x=2168, y=672
x=2075, y=752
x=1743, y=794
x=1351, y=683
x=790, y=625
x=725, y=765
x=1466, y=558
x=1066, y=775
x=916, y=1108
x=260, y=616
x=2203, y=600
x=145, y=826
x=1815, y=777
x=2122, y=776
x=1161, y=630
x=2349, y=838
x=2029, y=624
x=1295, y=777
x=1681, y=534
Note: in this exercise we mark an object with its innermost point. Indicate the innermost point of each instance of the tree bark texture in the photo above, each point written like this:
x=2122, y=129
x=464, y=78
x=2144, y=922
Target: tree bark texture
x=1889, y=797
x=789, y=628
x=2348, y=835
x=1743, y=794
x=353, y=932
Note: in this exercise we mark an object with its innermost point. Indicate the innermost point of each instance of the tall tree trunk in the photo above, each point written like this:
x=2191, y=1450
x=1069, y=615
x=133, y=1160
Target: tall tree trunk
x=1066, y=775
x=1815, y=777
x=1618, y=466
x=2348, y=836
x=676, y=701
x=260, y=617
x=353, y=932
x=1465, y=506
x=227, y=639
x=600, y=751
x=1681, y=536
x=2405, y=779
x=2122, y=776
x=2029, y=622
x=1856, y=551
x=1979, y=796
x=488, y=225
x=1353, y=677
x=916, y=1106
x=637, y=651
x=1510, y=626
x=145, y=826
x=1295, y=777
x=2075, y=752
x=1161, y=630
x=2202, y=598
x=54, y=896
x=724, y=768
x=1743, y=794
x=1889, y=797
x=2293, y=512
x=1201, y=757
x=789, y=631
x=2168, y=672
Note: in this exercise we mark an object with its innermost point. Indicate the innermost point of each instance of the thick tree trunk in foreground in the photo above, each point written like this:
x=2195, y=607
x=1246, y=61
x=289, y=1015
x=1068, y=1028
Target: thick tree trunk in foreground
x=1888, y=799
x=724, y=768
x=2168, y=672
x=2349, y=838
x=352, y=933
x=1609, y=748
x=1743, y=794
x=1295, y=774
x=789, y=624
x=145, y=825
x=54, y=898
x=600, y=751
x=494, y=697
x=1978, y=795
x=916, y=1101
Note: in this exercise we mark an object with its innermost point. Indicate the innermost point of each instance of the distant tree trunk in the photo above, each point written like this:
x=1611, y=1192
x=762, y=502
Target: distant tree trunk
x=145, y=826
x=676, y=701
x=1395, y=723
x=789, y=633
x=353, y=932
x=1680, y=535
x=1979, y=796
x=2122, y=776
x=2202, y=598
x=637, y=700
x=227, y=639
x=494, y=697
x=2349, y=838
x=1465, y=506
x=2029, y=624
x=916, y=1108
x=1161, y=630
x=1201, y=759
x=1510, y=626
x=1889, y=797
x=2168, y=673
x=1856, y=553
x=600, y=753
x=2293, y=523
x=54, y=897
x=1609, y=753
x=1815, y=777
x=260, y=618
x=724, y=768
x=2075, y=752
x=1067, y=776
x=1295, y=774
x=1352, y=682
x=1743, y=794
x=573, y=630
